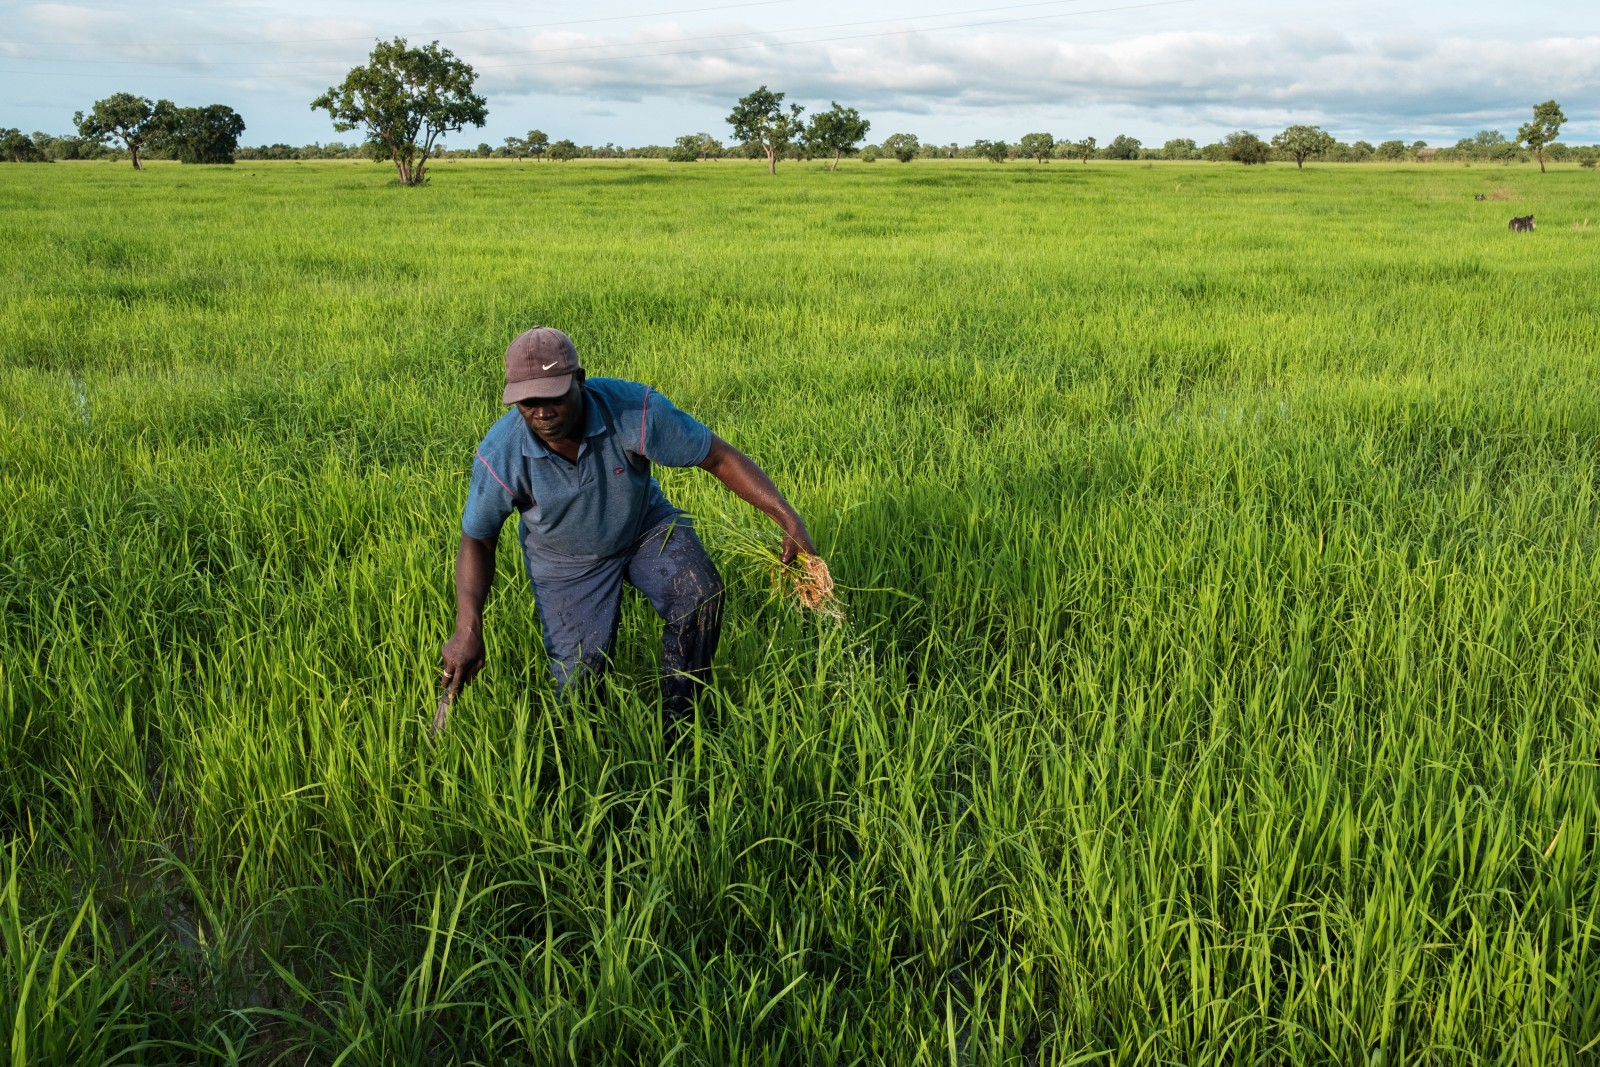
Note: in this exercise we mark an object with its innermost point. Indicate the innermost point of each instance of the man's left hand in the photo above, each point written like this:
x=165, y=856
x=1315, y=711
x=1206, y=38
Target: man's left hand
x=797, y=542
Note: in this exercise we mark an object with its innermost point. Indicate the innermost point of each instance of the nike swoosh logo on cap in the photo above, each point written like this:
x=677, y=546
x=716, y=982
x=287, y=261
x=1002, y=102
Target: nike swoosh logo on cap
x=547, y=366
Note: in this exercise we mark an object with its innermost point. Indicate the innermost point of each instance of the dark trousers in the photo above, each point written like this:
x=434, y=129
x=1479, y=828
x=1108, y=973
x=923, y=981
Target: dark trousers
x=671, y=568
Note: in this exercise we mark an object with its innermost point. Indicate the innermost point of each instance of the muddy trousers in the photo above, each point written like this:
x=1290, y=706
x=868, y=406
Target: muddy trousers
x=670, y=567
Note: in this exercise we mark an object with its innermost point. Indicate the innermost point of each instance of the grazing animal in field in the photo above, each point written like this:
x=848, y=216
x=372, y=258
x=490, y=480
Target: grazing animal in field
x=1522, y=224
x=1480, y=196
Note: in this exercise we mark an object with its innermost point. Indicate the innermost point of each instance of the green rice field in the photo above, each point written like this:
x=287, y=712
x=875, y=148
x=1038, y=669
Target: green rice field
x=1220, y=682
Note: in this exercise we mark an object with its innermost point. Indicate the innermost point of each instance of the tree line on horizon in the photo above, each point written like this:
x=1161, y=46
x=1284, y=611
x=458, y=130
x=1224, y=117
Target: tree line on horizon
x=160, y=129
x=405, y=100
x=1487, y=146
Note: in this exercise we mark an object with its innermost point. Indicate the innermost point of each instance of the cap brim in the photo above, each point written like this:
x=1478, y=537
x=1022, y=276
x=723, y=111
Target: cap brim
x=537, y=389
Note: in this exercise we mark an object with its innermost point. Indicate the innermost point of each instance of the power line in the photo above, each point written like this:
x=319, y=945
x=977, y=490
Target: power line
x=420, y=33
x=594, y=47
x=708, y=51
x=791, y=29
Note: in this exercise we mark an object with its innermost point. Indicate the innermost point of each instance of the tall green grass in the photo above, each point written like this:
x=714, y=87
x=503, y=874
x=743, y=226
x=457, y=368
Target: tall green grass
x=1220, y=680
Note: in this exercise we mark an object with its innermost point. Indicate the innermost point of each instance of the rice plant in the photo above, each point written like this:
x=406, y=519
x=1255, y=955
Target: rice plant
x=1217, y=681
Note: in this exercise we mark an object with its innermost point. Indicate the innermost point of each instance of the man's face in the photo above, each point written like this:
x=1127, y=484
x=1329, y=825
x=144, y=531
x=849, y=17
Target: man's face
x=560, y=419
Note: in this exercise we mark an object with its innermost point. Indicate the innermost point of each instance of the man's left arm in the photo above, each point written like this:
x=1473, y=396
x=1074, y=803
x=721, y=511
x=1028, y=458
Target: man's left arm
x=750, y=483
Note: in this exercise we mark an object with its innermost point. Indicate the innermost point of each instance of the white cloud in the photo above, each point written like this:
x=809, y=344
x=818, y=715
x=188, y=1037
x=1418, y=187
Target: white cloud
x=1388, y=79
x=1303, y=72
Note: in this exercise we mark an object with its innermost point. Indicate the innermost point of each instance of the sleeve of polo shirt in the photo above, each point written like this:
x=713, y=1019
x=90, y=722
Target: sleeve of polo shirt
x=489, y=501
x=669, y=437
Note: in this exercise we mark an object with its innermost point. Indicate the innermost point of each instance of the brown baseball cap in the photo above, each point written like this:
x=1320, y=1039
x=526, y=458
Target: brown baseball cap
x=539, y=365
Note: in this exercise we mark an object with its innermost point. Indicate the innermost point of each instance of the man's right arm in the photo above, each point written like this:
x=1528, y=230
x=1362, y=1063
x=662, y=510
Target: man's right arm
x=463, y=654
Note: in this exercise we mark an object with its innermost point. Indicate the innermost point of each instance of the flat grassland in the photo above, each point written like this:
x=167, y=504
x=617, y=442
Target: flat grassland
x=1220, y=685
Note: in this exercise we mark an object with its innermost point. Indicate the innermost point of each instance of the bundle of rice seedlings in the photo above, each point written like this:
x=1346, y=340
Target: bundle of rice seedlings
x=812, y=585
x=807, y=580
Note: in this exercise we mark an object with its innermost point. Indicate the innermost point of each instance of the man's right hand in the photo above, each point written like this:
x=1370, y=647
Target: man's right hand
x=463, y=653
x=463, y=657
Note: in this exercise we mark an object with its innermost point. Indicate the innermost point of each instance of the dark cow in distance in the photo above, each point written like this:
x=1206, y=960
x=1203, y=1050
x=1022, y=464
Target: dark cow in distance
x=1521, y=224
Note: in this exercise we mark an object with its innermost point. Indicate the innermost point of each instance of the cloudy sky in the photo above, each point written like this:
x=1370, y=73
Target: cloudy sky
x=645, y=71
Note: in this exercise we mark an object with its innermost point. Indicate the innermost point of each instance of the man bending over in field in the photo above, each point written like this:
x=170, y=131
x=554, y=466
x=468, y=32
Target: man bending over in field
x=573, y=458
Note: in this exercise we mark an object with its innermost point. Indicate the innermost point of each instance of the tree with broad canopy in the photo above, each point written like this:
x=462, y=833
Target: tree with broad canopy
x=686, y=149
x=710, y=147
x=759, y=121
x=1036, y=146
x=207, y=134
x=693, y=147
x=1300, y=143
x=405, y=98
x=837, y=130
x=1242, y=146
x=131, y=118
x=902, y=146
x=993, y=151
x=1123, y=147
x=18, y=147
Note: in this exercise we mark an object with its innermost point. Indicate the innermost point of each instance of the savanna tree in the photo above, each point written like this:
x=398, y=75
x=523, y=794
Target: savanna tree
x=1123, y=147
x=759, y=121
x=685, y=150
x=902, y=146
x=1300, y=143
x=563, y=151
x=18, y=147
x=692, y=147
x=1486, y=144
x=993, y=151
x=1547, y=120
x=537, y=143
x=207, y=134
x=67, y=147
x=836, y=131
x=132, y=119
x=1180, y=148
x=710, y=147
x=1036, y=146
x=1083, y=149
x=404, y=99
x=1242, y=146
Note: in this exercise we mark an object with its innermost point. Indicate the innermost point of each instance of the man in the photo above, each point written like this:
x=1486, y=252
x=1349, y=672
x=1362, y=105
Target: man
x=573, y=458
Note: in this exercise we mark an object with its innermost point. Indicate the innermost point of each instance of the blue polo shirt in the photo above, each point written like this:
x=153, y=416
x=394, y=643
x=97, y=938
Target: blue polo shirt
x=574, y=514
